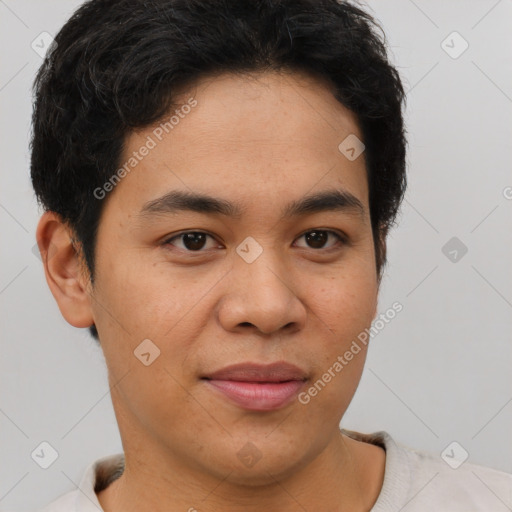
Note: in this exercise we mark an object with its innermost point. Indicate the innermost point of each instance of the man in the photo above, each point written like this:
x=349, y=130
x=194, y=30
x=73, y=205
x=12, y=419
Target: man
x=219, y=179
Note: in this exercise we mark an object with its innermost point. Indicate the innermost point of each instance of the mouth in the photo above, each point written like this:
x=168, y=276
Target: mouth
x=257, y=387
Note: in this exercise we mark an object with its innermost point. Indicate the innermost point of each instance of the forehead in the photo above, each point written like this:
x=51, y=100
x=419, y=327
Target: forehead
x=258, y=139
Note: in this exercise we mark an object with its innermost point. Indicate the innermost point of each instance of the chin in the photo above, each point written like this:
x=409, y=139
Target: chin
x=252, y=467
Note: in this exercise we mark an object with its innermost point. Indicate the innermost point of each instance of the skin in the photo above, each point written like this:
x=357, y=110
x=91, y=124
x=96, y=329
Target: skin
x=262, y=141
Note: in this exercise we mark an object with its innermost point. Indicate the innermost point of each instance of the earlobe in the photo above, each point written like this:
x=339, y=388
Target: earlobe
x=65, y=275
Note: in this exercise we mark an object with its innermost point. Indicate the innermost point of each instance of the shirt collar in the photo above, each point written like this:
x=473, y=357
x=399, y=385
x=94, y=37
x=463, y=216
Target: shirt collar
x=97, y=476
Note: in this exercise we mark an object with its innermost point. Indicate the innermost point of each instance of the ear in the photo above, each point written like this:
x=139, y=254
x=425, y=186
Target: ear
x=65, y=274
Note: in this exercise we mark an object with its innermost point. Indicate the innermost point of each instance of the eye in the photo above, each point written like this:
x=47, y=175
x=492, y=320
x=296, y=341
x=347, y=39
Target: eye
x=195, y=241
x=317, y=238
x=191, y=241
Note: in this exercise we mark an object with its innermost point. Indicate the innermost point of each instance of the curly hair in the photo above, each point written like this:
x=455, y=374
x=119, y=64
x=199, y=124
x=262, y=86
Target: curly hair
x=116, y=66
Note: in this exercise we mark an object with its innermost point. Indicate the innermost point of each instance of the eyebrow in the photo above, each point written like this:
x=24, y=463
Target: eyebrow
x=328, y=200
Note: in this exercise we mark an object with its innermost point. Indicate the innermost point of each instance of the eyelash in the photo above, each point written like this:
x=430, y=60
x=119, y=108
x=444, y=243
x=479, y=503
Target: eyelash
x=341, y=239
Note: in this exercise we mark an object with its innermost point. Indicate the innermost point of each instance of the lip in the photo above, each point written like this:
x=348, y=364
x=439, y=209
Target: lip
x=254, y=372
x=258, y=387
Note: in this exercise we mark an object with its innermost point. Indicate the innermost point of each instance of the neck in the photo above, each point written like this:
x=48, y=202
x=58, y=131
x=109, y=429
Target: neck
x=346, y=475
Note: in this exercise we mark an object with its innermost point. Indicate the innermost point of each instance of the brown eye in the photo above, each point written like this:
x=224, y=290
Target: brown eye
x=317, y=238
x=192, y=241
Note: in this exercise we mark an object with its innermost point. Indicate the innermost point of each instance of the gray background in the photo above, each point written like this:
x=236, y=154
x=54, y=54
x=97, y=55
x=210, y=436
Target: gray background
x=439, y=372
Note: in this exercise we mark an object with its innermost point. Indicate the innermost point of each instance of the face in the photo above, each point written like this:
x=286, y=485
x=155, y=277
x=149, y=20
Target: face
x=242, y=278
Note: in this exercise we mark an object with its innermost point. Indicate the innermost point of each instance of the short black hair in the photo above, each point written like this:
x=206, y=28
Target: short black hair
x=116, y=65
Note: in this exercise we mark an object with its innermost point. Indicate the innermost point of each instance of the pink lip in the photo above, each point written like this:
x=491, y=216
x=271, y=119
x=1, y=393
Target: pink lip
x=258, y=396
x=258, y=387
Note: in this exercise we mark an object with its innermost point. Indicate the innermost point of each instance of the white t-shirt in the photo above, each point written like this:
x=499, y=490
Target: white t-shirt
x=414, y=481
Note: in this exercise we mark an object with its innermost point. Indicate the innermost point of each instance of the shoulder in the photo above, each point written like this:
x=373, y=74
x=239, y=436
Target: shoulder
x=448, y=482
x=419, y=481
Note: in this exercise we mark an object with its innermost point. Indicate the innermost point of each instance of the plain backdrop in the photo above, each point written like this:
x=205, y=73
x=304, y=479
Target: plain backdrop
x=439, y=372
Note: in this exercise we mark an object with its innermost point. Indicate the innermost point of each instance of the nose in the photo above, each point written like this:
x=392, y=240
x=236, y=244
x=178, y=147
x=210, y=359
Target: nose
x=261, y=296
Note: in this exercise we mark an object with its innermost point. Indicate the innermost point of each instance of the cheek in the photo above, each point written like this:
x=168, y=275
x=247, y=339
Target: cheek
x=344, y=308
x=145, y=300
x=346, y=303
x=137, y=301
x=143, y=303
